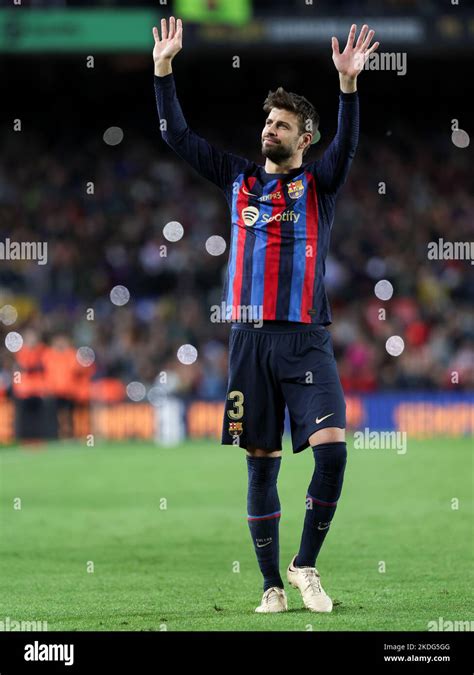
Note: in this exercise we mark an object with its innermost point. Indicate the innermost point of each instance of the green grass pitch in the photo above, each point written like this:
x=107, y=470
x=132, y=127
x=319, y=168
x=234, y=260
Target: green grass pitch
x=191, y=565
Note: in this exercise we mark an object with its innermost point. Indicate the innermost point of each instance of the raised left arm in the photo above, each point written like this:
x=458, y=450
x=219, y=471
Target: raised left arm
x=350, y=63
x=332, y=169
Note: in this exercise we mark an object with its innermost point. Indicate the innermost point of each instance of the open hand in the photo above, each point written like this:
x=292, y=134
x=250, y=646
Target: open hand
x=352, y=60
x=171, y=41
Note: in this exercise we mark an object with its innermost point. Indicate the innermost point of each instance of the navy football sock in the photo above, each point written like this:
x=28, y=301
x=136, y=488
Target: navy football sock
x=263, y=507
x=321, y=500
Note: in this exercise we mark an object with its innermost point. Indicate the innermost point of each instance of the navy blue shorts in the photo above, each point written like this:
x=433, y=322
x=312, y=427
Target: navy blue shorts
x=281, y=363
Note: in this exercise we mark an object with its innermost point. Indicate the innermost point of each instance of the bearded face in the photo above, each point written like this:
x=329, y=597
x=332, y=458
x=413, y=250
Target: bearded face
x=278, y=151
x=280, y=136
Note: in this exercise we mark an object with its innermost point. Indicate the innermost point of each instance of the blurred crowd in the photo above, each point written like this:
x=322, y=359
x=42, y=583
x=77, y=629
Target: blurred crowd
x=294, y=7
x=403, y=192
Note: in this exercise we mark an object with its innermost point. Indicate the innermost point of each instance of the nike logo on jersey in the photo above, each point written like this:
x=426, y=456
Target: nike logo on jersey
x=321, y=419
x=264, y=198
x=250, y=194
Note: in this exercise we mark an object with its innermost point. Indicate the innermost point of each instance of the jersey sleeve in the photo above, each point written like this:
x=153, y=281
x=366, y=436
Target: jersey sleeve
x=218, y=167
x=332, y=169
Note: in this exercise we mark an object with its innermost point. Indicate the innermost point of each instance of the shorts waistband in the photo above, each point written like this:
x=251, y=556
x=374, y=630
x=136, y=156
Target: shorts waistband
x=278, y=327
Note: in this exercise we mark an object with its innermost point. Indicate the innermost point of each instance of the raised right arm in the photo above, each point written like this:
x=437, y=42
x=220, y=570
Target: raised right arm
x=219, y=167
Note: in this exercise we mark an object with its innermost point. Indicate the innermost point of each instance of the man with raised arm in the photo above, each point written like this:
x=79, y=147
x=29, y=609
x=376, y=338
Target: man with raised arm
x=281, y=219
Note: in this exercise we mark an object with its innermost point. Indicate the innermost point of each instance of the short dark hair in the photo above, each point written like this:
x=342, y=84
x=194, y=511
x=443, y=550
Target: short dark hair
x=286, y=100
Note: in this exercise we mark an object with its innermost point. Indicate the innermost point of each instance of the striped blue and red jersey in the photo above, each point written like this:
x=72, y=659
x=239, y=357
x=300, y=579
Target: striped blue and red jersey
x=281, y=223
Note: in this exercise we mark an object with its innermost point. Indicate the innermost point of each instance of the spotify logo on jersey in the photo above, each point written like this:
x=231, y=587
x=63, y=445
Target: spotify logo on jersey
x=250, y=215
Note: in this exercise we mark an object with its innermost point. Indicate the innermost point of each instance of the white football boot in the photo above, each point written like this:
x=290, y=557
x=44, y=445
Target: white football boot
x=273, y=600
x=307, y=580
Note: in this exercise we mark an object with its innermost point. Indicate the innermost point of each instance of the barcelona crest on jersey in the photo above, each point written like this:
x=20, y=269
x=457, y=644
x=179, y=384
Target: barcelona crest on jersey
x=295, y=189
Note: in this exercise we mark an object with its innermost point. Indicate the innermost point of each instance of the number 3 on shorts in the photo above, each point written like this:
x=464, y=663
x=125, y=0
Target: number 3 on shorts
x=238, y=404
